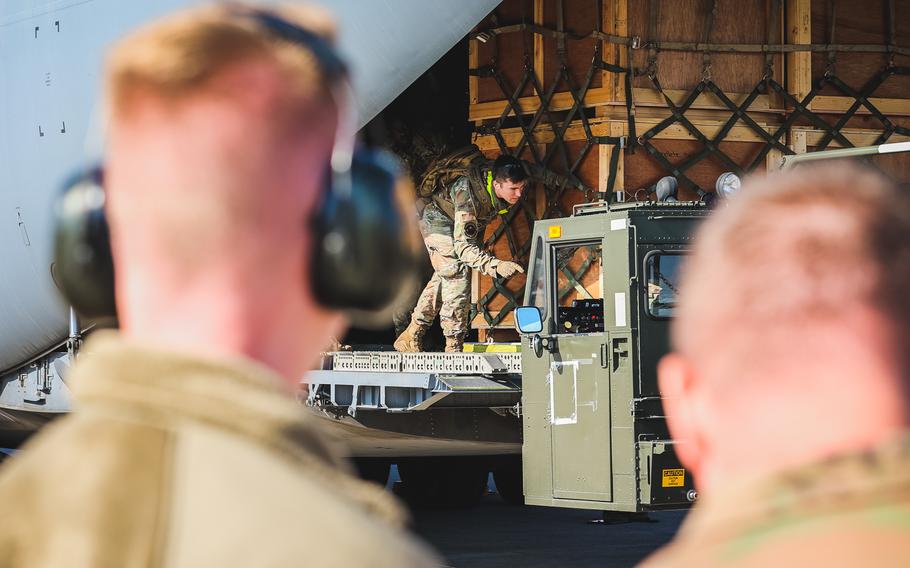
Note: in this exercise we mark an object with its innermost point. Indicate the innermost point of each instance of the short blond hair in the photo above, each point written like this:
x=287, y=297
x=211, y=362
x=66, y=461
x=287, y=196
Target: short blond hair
x=189, y=61
x=178, y=56
x=795, y=249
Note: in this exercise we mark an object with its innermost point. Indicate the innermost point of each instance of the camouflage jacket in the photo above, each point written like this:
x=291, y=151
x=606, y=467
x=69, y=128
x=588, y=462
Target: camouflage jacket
x=470, y=214
x=464, y=209
x=176, y=460
x=853, y=510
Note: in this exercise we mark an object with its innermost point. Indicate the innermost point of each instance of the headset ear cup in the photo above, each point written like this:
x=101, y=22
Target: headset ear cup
x=363, y=257
x=83, y=263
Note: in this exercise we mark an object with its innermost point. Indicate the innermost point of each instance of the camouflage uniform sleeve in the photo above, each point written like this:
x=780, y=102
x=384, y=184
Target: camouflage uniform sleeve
x=467, y=230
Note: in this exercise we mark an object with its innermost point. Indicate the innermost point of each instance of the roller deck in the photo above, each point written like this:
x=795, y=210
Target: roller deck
x=388, y=403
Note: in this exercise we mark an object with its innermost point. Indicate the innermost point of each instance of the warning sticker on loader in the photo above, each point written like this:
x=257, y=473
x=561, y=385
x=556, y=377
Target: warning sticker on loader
x=673, y=478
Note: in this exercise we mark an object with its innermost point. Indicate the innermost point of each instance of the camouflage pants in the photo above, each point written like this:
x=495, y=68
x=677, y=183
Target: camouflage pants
x=448, y=293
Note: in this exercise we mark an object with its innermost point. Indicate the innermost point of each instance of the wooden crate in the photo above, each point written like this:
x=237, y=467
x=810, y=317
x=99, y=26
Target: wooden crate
x=534, y=52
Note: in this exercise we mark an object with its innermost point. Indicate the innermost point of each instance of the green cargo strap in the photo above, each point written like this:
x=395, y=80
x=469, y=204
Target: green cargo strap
x=490, y=192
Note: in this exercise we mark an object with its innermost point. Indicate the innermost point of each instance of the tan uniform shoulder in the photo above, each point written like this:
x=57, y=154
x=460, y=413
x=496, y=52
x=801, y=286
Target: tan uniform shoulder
x=178, y=461
x=850, y=510
x=95, y=489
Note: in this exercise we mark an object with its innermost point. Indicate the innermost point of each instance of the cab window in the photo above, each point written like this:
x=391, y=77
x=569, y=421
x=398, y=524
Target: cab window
x=662, y=271
x=579, y=287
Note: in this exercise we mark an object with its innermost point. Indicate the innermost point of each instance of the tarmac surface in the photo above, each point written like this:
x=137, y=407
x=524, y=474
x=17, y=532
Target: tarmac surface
x=493, y=534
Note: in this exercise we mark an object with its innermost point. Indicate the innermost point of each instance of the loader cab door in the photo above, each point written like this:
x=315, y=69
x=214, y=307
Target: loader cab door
x=566, y=394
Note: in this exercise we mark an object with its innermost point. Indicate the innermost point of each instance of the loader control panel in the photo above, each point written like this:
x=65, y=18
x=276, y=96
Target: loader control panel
x=583, y=316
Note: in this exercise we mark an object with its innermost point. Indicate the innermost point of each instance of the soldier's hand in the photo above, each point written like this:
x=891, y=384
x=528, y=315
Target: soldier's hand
x=507, y=268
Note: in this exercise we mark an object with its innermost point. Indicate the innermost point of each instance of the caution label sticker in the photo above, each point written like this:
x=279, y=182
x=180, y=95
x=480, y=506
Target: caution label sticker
x=673, y=478
x=555, y=232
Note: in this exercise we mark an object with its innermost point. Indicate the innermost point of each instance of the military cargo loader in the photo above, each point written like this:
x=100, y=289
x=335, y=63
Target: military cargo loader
x=576, y=403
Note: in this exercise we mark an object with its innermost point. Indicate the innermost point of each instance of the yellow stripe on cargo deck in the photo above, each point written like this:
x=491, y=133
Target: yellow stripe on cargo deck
x=492, y=347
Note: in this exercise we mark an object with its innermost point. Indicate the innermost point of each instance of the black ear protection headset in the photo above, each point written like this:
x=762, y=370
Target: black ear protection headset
x=362, y=258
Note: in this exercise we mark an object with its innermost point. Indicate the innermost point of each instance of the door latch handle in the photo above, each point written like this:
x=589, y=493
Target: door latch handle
x=620, y=352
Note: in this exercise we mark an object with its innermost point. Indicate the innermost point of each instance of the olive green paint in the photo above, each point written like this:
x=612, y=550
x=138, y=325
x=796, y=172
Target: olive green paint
x=594, y=431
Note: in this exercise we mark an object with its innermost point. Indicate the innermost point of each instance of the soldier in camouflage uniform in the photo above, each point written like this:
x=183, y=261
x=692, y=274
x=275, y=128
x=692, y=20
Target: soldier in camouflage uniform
x=452, y=223
x=788, y=388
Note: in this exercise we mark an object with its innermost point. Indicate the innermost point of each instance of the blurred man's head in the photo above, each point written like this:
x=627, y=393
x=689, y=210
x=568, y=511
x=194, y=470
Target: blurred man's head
x=509, y=178
x=793, y=335
x=219, y=139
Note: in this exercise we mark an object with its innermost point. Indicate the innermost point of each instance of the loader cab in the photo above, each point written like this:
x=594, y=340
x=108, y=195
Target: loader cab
x=600, y=295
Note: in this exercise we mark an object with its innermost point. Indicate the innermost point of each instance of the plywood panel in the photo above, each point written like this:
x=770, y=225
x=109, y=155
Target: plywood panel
x=580, y=18
x=742, y=21
x=862, y=23
x=642, y=171
x=510, y=49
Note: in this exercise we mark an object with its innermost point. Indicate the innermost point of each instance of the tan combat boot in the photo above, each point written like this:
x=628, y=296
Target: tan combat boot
x=411, y=339
x=454, y=344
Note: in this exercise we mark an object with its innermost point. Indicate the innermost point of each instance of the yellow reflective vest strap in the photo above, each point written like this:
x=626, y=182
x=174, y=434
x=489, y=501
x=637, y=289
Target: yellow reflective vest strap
x=490, y=193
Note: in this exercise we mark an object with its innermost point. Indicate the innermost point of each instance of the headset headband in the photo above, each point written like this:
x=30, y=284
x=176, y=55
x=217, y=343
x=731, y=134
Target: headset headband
x=331, y=65
x=334, y=70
